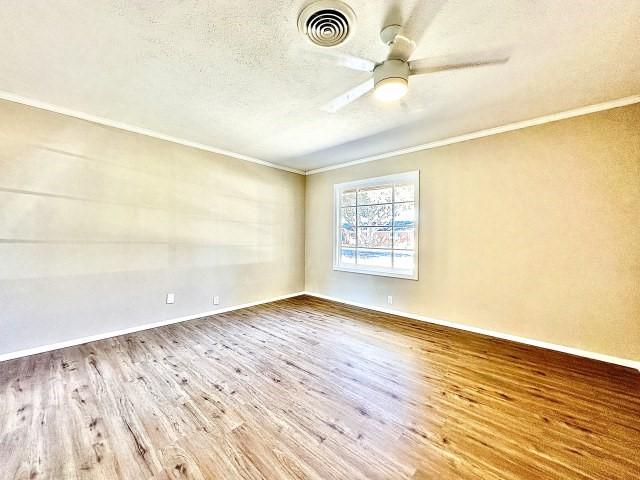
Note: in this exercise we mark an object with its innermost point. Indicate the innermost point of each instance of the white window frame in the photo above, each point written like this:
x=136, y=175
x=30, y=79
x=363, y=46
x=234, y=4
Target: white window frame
x=406, y=177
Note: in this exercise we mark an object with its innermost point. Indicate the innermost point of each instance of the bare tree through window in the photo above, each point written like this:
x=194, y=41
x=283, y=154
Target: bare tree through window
x=378, y=224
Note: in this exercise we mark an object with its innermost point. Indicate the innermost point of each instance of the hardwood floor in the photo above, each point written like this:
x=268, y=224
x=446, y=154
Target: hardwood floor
x=305, y=388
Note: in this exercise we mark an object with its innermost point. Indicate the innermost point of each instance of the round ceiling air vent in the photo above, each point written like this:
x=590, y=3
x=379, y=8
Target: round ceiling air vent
x=327, y=23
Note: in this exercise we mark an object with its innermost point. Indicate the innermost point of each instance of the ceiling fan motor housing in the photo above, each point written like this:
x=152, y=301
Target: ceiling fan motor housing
x=327, y=23
x=391, y=69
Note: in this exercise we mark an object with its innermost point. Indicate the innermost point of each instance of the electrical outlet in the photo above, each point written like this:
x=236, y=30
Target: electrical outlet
x=390, y=299
x=216, y=300
x=171, y=298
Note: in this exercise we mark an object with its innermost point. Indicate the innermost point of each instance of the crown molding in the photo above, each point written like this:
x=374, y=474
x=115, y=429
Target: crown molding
x=598, y=107
x=554, y=117
x=142, y=131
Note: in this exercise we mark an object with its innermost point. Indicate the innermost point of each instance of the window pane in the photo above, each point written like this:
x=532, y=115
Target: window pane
x=403, y=260
x=348, y=198
x=377, y=225
x=374, y=215
x=348, y=237
x=348, y=217
x=404, y=193
x=347, y=256
x=376, y=237
x=374, y=258
x=375, y=194
x=404, y=214
x=404, y=237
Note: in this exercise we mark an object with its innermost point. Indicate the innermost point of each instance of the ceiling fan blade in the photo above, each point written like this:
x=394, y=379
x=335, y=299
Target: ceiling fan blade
x=348, y=97
x=402, y=48
x=416, y=22
x=333, y=58
x=429, y=65
x=354, y=63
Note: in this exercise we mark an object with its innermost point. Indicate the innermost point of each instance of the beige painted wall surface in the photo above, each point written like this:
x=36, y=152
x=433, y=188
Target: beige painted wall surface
x=98, y=224
x=534, y=233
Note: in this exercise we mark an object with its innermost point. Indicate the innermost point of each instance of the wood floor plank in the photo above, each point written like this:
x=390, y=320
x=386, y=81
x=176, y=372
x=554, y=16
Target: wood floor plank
x=310, y=389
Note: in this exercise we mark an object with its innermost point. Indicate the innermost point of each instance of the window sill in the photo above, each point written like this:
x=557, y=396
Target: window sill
x=377, y=272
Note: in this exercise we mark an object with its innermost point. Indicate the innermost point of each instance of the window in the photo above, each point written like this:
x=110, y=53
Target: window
x=377, y=226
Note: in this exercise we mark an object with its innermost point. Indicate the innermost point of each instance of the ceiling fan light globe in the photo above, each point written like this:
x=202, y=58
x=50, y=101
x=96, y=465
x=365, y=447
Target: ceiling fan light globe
x=391, y=89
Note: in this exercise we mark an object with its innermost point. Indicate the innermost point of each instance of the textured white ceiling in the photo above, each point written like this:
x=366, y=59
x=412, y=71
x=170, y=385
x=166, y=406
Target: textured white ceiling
x=228, y=73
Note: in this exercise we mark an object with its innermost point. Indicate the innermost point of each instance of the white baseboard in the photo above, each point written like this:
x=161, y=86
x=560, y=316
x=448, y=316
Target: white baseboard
x=625, y=362
x=505, y=336
x=137, y=328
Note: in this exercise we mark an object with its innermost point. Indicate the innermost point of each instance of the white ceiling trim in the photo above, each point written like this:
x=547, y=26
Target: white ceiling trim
x=142, y=131
x=620, y=102
x=598, y=107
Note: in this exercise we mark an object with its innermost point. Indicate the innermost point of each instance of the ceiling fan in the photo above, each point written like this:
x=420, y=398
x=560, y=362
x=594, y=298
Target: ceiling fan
x=390, y=78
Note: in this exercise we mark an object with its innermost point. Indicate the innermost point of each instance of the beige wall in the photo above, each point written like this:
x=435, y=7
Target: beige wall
x=534, y=233
x=98, y=224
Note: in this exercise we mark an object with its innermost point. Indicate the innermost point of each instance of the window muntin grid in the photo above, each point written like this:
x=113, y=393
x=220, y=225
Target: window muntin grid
x=377, y=226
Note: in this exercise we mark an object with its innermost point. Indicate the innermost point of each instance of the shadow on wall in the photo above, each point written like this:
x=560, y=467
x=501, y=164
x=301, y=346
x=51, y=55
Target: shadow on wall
x=71, y=214
x=97, y=225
